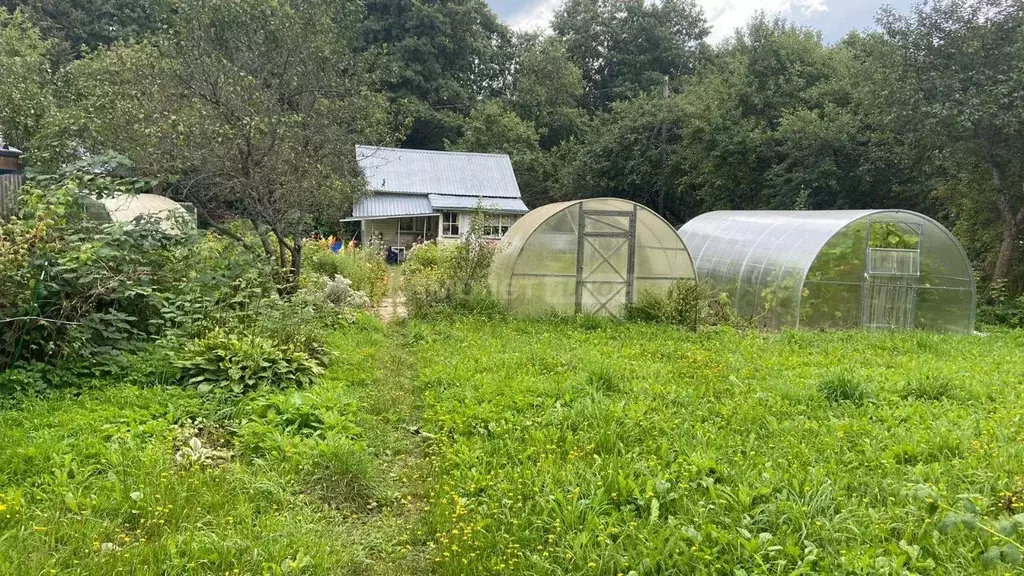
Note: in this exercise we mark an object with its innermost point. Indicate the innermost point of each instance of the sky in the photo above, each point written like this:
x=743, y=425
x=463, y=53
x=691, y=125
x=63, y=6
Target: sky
x=833, y=17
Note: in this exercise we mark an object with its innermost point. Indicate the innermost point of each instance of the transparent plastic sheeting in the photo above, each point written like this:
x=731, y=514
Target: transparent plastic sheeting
x=874, y=269
x=587, y=256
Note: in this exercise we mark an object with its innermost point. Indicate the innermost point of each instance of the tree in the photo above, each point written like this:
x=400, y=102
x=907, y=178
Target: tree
x=494, y=129
x=77, y=25
x=27, y=95
x=547, y=88
x=250, y=109
x=957, y=84
x=442, y=55
x=632, y=152
x=626, y=48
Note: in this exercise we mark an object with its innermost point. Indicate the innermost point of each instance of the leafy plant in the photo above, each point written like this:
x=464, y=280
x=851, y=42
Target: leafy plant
x=439, y=277
x=686, y=304
x=364, y=267
x=222, y=361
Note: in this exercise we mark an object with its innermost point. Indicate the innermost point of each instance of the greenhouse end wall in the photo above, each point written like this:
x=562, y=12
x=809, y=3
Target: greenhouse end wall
x=592, y=256
x=873, y=269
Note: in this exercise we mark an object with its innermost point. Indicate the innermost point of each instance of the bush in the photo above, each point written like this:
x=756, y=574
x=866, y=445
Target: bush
x=450, y=277
x=364, y=267
x=338, y=291
x=242, y=364
x=999, y=309
x=70, y=287
x=686, y=303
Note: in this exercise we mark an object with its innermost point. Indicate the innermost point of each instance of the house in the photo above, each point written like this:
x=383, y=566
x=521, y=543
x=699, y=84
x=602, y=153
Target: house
x=421, y=195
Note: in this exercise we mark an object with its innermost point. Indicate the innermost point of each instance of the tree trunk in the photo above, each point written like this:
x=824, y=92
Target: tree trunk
x=1011, y=230
x=1007, y=252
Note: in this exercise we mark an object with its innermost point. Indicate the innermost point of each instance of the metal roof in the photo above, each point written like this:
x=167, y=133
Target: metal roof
x=391, y=206
x=400, y=171
x=510, y=205
x=406, y=205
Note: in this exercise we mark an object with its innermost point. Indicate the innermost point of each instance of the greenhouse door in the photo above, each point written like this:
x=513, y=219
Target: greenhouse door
x=605, y=260
x=891, y=283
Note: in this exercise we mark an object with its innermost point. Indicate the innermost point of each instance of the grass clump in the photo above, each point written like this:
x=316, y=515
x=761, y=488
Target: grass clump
x=928, y=387
x=839, y=387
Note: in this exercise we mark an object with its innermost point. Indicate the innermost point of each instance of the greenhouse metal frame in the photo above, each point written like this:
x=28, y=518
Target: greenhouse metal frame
x=872, y=269
x=594, y=255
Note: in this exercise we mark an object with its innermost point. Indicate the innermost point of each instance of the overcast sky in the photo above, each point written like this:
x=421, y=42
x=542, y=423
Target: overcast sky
x=833, y=17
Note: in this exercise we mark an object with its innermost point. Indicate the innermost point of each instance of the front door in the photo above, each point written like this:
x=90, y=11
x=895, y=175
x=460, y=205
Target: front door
x=605, y=260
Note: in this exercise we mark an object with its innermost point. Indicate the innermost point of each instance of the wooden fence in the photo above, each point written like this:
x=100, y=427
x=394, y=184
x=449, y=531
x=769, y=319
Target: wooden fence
x=9, y=184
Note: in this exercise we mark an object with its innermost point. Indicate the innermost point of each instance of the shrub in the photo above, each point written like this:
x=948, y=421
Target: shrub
x=338, y=291
x=242, y=364
x=686, y=303
x=839, y=387
x=997, y=308
x=364, y=267
x=439, y=277
x=70, y=287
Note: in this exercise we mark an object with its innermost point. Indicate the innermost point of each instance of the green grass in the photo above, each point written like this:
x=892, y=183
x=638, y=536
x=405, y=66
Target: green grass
x=482, y=446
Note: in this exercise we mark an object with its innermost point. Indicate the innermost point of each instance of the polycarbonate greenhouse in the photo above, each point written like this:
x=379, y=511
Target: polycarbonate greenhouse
x=591, y=255
x=873, y=269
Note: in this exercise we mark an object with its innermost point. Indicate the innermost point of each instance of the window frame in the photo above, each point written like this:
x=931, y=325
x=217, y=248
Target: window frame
x=455, y=224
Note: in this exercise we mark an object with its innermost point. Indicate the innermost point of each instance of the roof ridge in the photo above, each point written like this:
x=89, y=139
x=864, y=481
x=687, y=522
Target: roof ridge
x=438, y=152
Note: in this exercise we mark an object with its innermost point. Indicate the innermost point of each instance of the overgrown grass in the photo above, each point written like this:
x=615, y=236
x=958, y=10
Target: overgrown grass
x=159, y=480
x=618, y=449
x=475, y=445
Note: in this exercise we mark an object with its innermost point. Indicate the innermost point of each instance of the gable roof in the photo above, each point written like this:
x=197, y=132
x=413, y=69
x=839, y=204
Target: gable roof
x=423, y=172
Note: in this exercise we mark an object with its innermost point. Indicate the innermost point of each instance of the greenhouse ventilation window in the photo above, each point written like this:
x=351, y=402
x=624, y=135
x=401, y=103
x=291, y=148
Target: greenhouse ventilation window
x=873, y=269
x=591, y=256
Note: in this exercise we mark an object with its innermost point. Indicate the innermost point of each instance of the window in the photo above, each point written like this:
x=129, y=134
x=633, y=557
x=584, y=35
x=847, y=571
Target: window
x=407, y=225
x=496, y=225
x=449, y=223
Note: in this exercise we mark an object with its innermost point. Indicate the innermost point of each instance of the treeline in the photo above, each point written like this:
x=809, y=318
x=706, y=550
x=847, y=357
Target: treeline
x=250, y=108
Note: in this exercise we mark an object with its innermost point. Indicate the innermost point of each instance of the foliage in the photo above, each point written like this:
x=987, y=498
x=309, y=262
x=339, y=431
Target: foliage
x=547, y=88
x=440, y=57
x=339, y=292
x=69, y=287
x=625, y=49
x=364, y=267
x=997, y=308
x=493, y=128
x=251, y=109
x=223, y=362
x=686, y=304
x=960, y=96
x=451, y=276
x=26, y=98
x=75, y=26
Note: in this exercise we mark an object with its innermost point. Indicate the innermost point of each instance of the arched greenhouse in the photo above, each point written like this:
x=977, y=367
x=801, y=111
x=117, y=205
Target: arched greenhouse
x=591, y=255
x=873, y=269
x=130, y=208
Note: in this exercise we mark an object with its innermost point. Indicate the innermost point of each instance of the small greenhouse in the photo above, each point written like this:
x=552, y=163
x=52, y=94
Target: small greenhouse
x=131, y=208
x=873, y=269
x=591, y=255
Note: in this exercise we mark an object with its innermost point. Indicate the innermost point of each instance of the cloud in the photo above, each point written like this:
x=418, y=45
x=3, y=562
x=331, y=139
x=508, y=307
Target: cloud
x=537, y=16
x=723, y=16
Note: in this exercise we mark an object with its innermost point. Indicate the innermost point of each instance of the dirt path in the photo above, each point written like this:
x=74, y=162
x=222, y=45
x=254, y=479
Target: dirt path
x=392, y=407
x=392, y=309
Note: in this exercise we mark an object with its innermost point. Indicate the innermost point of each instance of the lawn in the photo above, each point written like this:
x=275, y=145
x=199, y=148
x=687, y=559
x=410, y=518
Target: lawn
x=475, y=446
